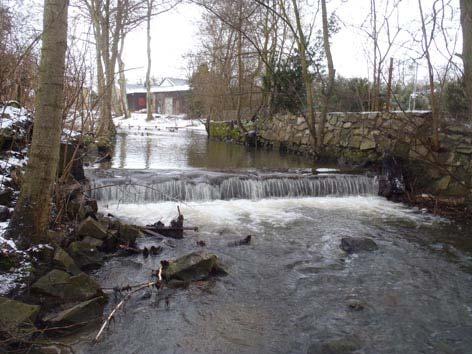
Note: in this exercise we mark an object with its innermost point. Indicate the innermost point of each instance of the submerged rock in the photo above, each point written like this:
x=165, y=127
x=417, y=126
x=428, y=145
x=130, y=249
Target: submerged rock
x=58, y=287
x=91, y=227
x=358, y=244
x=338, y=346
x=16, y=315
x=82, y=313
x=192, y=267
x=356, y=305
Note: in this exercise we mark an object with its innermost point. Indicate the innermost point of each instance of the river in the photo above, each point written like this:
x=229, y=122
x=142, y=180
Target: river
x=290, y=288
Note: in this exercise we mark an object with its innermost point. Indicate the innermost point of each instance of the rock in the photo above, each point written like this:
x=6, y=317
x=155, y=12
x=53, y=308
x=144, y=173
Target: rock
x=56, y=237
x=358, y=244
x=48, y=349
x=91, y=227
x=85, y=255
x=338, y=346
x=368, y=144
x=82, y=313
x=63, y=261
x=356, y=305
x=128, y=234
x=42, y=259
x=6, y=196
x=192, y=267
x=58, y=287
x=93, y=242
x=16, y=315
x=4, y=213
x=393, y=184
x=442, y=184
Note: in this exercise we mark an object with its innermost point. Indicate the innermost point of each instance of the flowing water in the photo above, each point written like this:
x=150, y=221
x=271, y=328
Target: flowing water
x=291, y=287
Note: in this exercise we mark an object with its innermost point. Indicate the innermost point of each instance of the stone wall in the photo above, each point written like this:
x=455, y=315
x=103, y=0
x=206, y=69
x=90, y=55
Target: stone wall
x=365, y=138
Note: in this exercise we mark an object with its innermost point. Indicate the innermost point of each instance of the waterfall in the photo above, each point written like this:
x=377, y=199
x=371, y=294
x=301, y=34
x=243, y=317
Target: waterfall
x=231, y=187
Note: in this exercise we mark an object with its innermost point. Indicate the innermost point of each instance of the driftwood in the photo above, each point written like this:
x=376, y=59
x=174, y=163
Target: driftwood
x=128, y=296
x=175, y=230
x=153, y=250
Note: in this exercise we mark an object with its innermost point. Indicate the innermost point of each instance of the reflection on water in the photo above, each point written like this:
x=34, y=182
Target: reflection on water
x=190, y=148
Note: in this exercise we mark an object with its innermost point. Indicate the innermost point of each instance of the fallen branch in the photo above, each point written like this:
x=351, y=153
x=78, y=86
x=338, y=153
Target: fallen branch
x=123, y=301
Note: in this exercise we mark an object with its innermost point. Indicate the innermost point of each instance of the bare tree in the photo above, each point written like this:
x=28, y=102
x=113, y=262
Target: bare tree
x=328, y=89
x=149, y=100
x=466, y=21
x=31, y=217
x=434, y=109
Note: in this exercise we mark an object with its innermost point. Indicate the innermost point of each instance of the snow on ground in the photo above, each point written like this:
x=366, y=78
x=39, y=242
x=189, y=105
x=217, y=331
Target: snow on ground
x=138, y=121
x=10, y=115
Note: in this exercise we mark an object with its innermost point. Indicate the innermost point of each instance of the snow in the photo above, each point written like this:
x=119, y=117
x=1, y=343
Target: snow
x=138, y=121
x=13, y=278
x=10, y=115
x=3, y=240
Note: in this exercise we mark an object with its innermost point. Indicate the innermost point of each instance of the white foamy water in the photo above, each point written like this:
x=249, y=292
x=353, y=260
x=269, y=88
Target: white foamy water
x=253, y=214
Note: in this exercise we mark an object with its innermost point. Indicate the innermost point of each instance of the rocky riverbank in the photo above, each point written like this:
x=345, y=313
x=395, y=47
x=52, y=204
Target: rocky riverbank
x=47, y=290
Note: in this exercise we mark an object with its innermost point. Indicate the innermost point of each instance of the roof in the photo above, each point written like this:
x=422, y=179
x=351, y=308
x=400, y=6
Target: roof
x=166, y=85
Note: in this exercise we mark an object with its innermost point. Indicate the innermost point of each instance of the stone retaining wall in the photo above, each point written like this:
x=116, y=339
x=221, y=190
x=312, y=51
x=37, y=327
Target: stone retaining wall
x=361, y=138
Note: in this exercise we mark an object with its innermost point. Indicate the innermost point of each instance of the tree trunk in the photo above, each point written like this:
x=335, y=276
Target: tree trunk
x=301, y=42
x=466, y=21
x=331, y=73
x=389, y=86
x=240, y=69
x=31, y=217
x=149, y=104
x=434, y=110
x=122, y=81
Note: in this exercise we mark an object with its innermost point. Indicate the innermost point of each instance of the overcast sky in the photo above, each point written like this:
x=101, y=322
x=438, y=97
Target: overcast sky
x=176, y=33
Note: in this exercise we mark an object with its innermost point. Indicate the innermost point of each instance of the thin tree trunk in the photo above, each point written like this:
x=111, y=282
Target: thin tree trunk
x=301, y=41
x=434, y=110
x=122, y=81
x=31, y=217
x=331, y=73
x=148, y=72
x=466, y=21
x=240, y=68
x=389, y=86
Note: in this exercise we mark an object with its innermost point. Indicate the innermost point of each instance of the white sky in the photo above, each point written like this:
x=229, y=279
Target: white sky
x=176, y=33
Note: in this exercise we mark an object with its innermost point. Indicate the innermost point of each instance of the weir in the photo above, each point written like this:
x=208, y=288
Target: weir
x=149, y=188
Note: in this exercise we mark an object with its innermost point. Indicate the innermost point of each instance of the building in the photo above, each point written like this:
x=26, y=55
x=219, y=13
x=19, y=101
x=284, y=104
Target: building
x=169, y=97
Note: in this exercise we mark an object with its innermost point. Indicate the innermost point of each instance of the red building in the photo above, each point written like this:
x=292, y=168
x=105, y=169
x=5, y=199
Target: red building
x=169, y=97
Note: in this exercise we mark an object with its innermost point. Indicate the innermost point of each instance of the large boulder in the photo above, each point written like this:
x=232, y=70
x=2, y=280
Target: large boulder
x=91, y=227
x=81, y=313
x=58, y=287
x=358, y=244
x=192, y=267
x=63, y=261
x=85, y=254
x=16, y=316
